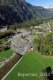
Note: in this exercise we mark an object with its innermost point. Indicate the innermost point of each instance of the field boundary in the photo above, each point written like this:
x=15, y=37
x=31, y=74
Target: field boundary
x=12, y=69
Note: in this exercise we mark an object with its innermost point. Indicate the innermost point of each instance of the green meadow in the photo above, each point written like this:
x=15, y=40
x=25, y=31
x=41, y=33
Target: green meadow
x=6, y=54
x=33, y=62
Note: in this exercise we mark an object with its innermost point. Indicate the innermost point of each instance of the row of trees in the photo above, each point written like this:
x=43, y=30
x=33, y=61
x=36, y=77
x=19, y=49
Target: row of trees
x=26, y=24
x=6, y=33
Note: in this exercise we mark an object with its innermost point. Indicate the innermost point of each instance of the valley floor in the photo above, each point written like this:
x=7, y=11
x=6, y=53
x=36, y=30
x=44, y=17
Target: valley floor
x=33, y=63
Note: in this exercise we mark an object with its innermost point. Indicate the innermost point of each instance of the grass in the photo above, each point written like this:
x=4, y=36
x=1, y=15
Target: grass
x=51, y=23
x=32, y=62
x=4, y=40
x=34, y=36
x=6, y=54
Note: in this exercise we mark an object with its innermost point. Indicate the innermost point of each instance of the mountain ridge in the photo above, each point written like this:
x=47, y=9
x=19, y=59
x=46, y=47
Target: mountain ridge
x=17, y=11
x=48, y=7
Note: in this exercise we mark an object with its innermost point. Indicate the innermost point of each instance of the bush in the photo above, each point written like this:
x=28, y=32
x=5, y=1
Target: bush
x=6, y=33
x=6, y=48
x=44, y=44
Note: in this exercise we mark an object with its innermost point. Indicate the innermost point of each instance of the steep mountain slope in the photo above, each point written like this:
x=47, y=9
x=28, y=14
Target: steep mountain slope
x=16, y=11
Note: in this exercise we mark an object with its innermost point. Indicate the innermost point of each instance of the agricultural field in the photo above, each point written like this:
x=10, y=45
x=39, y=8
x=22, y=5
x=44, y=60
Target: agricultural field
x=3, y=41
x=6, y=50
x=6, y=54
x=34, y=63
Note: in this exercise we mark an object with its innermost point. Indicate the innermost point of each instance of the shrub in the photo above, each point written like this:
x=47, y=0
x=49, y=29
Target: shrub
x=44, y=44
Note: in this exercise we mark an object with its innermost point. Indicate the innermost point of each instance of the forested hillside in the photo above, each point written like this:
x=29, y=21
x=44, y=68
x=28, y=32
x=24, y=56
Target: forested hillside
x=17, y=11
